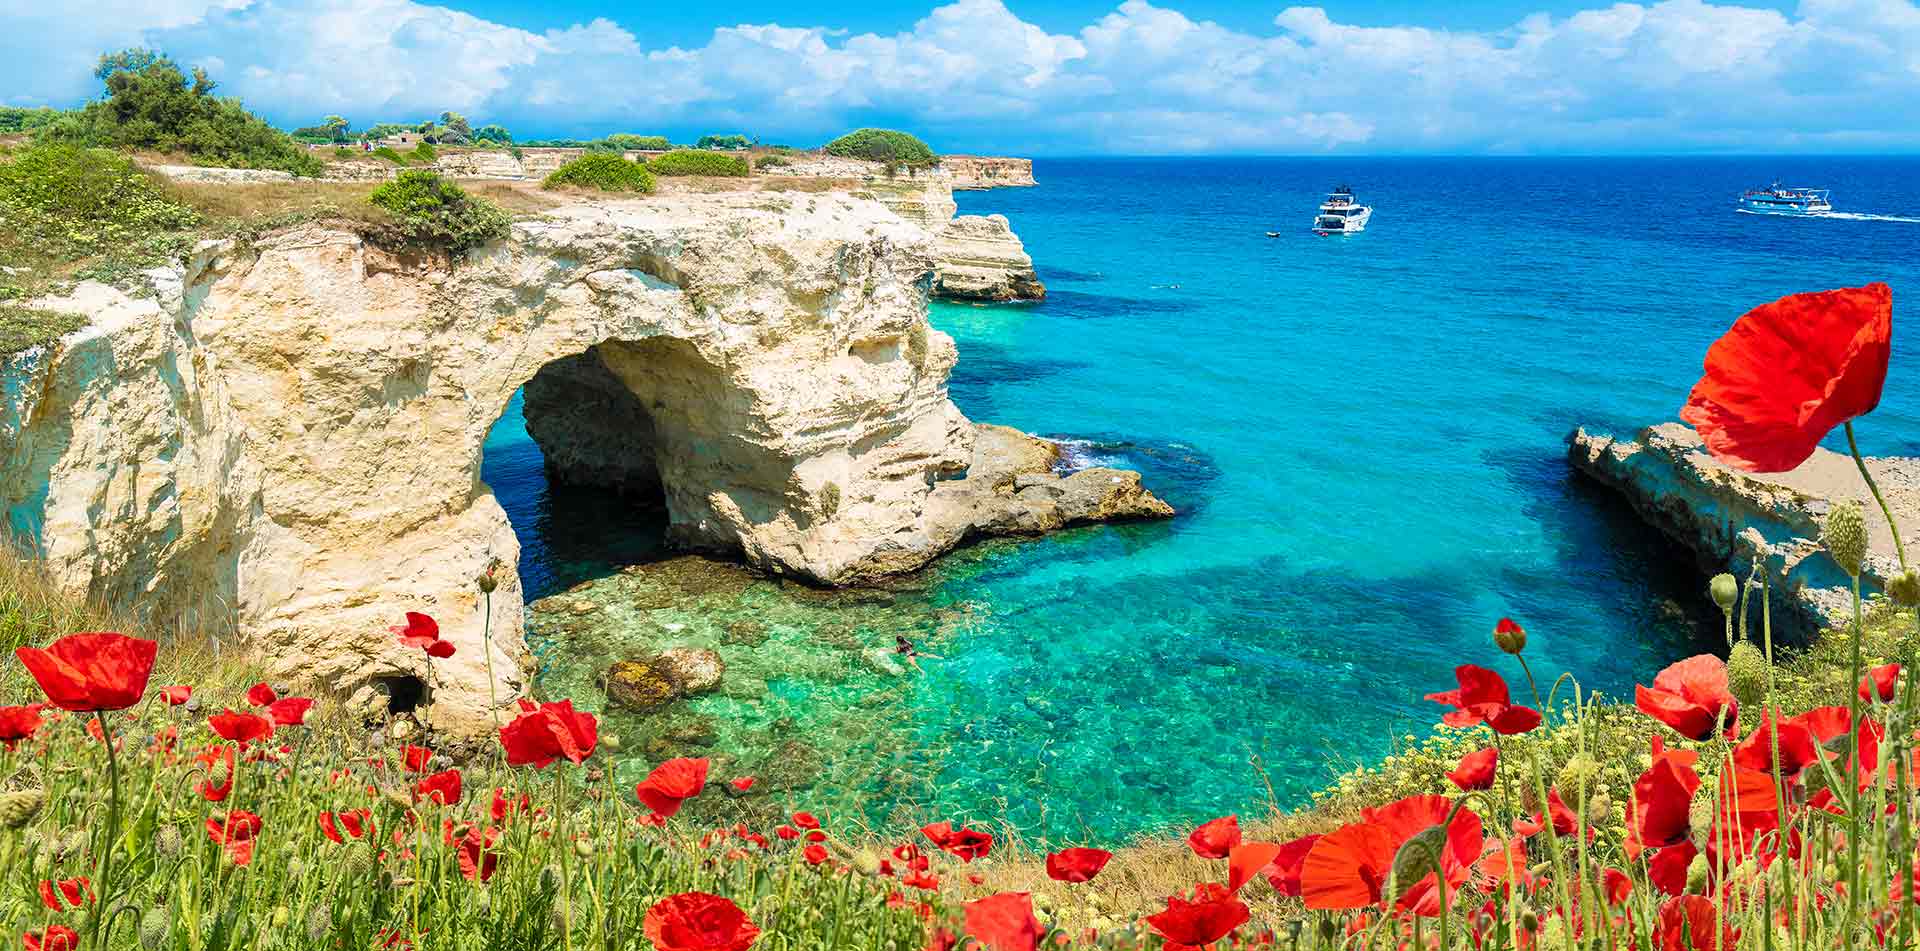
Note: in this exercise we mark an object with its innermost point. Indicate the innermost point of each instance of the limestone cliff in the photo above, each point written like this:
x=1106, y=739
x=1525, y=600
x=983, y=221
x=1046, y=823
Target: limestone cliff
x=970, y=172
x=283, y=446
x=1732, y=519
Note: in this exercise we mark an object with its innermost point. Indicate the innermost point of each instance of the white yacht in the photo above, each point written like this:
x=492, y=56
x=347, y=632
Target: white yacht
x=1341, y=214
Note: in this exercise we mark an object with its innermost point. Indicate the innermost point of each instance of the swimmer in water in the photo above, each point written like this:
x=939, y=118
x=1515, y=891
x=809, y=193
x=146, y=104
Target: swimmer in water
x=909, y=653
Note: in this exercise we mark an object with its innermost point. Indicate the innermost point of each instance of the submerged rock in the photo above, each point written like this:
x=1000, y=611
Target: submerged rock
x=744, y=633
x=641, y=685
x=693, y=669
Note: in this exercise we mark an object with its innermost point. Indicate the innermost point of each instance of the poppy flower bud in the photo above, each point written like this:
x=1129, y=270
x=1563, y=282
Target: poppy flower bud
x=360, y=862
x=1509, y=637
x=1845, y=537
x=583, y=848
x=1725, y=589
x=168, y=841
x=1418, y=856
x=18, y=808
x=610, y=742
x=319, y=922
x=281, y=916
x=486, y=582
x=1697, y=871
x=1600, y=809
x=1904, y=589
x=155, y=927
x=1747, y=674
x=1700, y=816
x=1529, y=921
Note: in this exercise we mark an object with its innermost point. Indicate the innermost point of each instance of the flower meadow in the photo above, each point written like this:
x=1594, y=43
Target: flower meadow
x=189, y=817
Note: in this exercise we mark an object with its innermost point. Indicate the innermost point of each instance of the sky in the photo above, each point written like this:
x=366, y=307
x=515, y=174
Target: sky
x=1044, y=77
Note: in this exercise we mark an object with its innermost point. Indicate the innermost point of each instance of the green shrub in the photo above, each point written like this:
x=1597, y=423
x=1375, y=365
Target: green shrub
x=387, y=152
x=883, y=145
x=423, y=154
x=150, y=104
x=605, y=171
x=730, y=142
x=24, y=327
x=14, y=119
x=695, y=162
x=66, y=202
x=431, y=211
x=638, y=143
x=343, y=152
x=772, y=161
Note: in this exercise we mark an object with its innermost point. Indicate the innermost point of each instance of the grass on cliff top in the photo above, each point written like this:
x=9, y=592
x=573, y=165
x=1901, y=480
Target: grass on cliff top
x=24, y=327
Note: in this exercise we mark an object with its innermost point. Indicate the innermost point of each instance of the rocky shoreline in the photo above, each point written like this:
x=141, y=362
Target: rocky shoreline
x=284, y=441
x=1734, y=520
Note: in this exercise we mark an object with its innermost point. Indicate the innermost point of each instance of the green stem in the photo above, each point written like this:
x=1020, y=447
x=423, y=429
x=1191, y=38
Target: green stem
x=1860, y=461
x=112, y=832
x=486, y=644
x=1853, y=753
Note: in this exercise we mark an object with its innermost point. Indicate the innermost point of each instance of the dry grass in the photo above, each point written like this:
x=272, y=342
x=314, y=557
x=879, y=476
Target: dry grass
x=696, y=185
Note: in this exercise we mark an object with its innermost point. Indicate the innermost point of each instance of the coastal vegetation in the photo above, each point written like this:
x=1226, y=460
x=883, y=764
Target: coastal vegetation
x=152, y=106
x=696, y=162
x=24, y=327
x=895, y=148
x=604, y=171
x=431, y=211
x=64, y=204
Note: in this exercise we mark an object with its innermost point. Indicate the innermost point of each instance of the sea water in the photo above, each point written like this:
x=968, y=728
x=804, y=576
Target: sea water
x=1363, y=436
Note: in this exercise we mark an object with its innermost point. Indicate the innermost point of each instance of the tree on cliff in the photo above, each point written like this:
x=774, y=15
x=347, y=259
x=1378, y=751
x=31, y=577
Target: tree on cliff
x=152, y=105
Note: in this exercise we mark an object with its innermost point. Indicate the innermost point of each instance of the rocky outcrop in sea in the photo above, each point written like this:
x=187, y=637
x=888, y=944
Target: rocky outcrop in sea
x=283, y=442
x=981, y=259
x=1734, y=520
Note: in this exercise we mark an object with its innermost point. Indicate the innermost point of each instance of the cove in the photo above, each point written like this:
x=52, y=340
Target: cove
x=1363, y=436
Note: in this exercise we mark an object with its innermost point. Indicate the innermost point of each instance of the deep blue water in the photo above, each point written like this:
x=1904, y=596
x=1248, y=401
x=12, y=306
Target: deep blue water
x=1364, y=437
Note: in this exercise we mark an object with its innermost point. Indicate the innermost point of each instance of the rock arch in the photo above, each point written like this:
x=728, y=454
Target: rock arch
x=284, y=445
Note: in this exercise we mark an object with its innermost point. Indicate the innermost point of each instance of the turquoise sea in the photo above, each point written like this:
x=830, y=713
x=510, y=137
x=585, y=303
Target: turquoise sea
x=1363, y=436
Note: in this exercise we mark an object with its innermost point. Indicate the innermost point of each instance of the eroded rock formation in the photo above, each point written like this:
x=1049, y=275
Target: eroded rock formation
x=282, y=446
x=968, y=172
x=1733, y=520
x=982, y=259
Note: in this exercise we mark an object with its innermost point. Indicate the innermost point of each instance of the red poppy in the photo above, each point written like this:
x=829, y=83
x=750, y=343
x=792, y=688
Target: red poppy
x=815, y=854
x=423, y=632
x=1476, y=770
x=1565, y=823
x=1691, y=696
x=806, y=820
x=1797, y=747
x=548, y=732
x=1691, y=923
x=505, y=806
x=417, y=759
x=55, y=938
x=1248, y=860
x=696, y=921
x=672, y=783
x=479, y=854
x=261, y=694
x=1215, y=838
x=1880, y=682
x=441, y=788
x=291, y=711
x=217, y=760
x=176, y=695
x=1349, y=867
x=66, y=894
x=1005, y=922
x=1482, y=698
x=1213, y=913
x=18, y=723
x=963, y=843
x=1617, y=886
x=236, y=833
x=816, y=836
x=1788, y=372
x=1662, y=799
x=351, y=824
x=742, y=783
x=1077, y=865
x=88, y=673
x=241, y=727
x=786, y=832
x=1283, y=873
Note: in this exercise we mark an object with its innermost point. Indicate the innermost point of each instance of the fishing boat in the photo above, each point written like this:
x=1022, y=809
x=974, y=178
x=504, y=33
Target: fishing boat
x=1778, y=199
x=1341, y=213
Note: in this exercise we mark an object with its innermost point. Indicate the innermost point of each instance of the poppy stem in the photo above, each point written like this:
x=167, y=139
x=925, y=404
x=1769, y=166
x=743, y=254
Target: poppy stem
x=1899, y=547
x=112, y=833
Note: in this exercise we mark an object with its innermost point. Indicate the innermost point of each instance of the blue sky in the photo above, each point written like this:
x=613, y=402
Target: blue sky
x=1046, y=77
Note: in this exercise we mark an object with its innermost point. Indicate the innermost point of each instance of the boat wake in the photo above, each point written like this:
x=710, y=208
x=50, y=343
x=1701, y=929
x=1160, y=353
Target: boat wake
x=1831, y=215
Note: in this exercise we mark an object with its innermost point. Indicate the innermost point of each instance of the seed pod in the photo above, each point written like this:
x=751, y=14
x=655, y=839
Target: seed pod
x=319, y=922
x=1747, y=674
x=1725, y=589
x=360, y=862
x=1904, y=589
x=1599, y=809
x=168, y=841
x=155, y=927
x=18, y=808
x=1845, y=537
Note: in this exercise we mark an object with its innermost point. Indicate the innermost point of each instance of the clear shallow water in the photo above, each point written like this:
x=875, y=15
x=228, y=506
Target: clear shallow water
x=1363, y=435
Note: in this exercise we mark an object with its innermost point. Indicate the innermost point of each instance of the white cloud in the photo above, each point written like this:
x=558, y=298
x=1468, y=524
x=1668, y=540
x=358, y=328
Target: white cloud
x=1678, y=74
